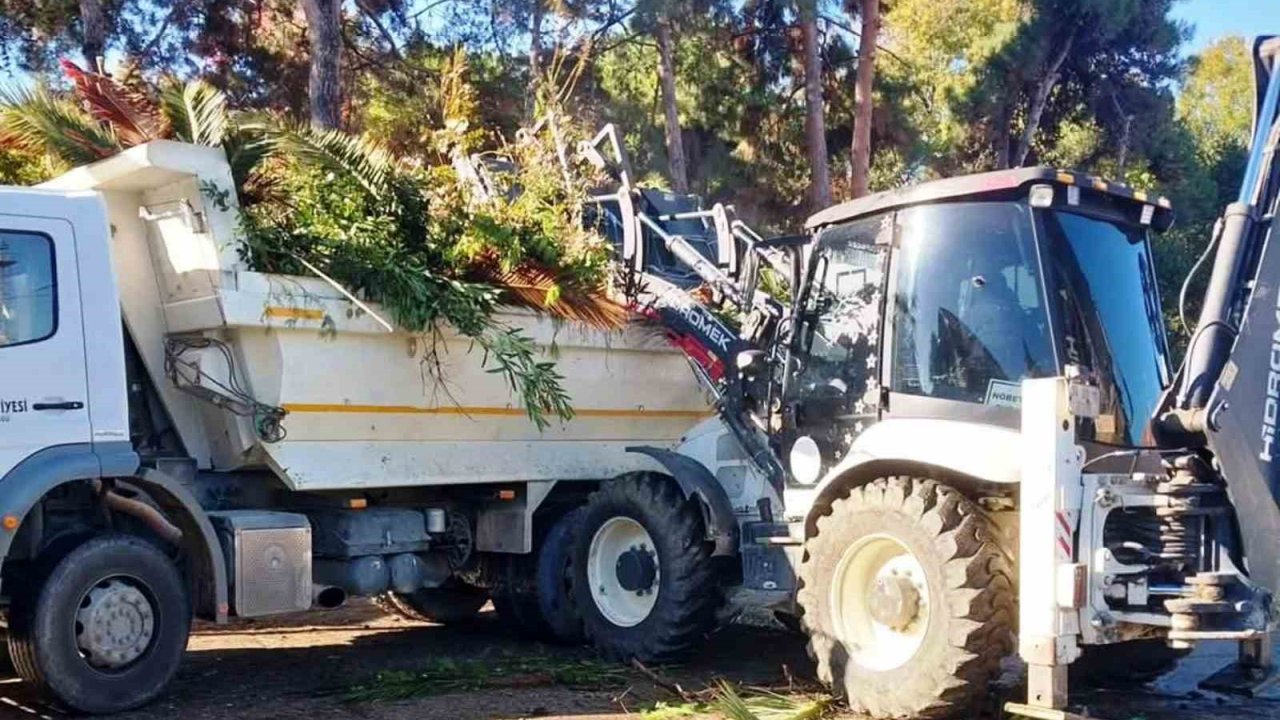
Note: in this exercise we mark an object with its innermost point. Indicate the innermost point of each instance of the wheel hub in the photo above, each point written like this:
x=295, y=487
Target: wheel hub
x=114, y=625
x=894, y=602
x=623, y=571
x=637, y=569
x=880, y=603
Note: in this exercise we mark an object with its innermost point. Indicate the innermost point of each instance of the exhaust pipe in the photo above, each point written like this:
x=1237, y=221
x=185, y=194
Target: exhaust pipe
x=328, y=597
x=150, y=516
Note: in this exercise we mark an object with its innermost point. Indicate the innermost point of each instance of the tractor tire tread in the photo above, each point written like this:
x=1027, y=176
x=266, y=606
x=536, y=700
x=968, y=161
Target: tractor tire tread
x=979, y=591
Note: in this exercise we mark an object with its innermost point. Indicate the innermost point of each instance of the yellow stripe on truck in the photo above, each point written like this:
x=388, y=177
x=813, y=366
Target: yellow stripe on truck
x=490, y=411
x=292, y=313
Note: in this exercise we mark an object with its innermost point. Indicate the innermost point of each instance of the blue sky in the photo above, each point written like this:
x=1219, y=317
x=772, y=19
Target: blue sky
x=1215, y=18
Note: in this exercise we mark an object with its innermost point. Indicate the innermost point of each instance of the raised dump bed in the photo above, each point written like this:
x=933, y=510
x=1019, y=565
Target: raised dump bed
x=366, y=406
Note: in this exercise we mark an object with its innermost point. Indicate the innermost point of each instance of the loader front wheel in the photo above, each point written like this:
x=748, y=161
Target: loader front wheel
x=908, y=601
x=642, y=572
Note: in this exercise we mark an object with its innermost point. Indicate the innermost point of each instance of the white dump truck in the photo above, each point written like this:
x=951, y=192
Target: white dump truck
x=180, y=435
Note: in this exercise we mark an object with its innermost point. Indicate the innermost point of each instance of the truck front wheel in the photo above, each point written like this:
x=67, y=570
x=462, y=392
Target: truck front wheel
x=907, y=598
x=642, y=571
x=106, y=629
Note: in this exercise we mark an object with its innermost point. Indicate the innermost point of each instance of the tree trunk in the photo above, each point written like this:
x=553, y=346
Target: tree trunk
x=667, y=78
x=1040, y=99
x=324, y=30
x=815, y=124
x=535, y=59
x=1126, y=130
x=1004, y=135
x=862, y=100
x=93, y=21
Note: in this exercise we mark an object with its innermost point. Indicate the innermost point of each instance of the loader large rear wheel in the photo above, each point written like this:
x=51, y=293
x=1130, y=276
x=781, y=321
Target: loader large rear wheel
x=907, y=599
x=642, y=571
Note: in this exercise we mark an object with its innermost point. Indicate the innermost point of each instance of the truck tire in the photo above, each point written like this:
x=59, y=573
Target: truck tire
x=105, y=628
x=533, y=592
x=1126, y=664
x=453, y=603
x=642, y=572
x=907, y=599
x=554, y=580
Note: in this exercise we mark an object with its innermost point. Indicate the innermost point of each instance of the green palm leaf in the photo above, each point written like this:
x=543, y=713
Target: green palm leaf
x=197, y=111
x=351, y=156
x=35, y=120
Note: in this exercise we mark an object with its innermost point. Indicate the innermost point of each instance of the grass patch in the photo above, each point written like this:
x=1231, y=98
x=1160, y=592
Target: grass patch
x=447, y=675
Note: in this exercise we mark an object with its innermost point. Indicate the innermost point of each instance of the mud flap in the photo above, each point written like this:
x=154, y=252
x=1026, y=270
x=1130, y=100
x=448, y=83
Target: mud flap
x=696, y=481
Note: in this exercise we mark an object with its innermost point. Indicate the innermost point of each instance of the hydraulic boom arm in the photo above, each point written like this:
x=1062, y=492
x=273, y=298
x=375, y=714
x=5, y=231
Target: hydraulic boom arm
x=1230, y=384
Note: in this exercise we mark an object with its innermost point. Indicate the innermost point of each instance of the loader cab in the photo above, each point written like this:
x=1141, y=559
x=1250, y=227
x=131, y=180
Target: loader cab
x=935, y=302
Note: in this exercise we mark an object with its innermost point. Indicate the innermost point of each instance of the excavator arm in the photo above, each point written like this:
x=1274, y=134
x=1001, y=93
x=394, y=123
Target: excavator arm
x=1230, y=385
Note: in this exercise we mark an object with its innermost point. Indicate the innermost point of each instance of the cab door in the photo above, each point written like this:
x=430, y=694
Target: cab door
x=43, y=381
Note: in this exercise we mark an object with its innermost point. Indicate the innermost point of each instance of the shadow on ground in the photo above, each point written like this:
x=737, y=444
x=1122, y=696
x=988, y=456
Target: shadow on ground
x=296, y=668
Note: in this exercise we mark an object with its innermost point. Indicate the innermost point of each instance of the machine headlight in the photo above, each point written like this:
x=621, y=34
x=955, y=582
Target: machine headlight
x=806, y=460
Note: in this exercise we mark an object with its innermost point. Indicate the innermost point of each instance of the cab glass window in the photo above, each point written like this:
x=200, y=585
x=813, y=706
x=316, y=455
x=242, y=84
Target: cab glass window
x=28, y=288
x=970, y=320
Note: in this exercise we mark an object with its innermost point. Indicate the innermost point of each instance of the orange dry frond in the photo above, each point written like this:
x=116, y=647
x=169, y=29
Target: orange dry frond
x=135, y=117
x=533, y=286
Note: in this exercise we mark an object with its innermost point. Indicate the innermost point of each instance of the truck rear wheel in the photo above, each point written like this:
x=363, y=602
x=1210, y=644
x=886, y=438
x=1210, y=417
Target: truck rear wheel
x=534, y=592
x=642, y=572
x=450, y=604
x=107, y=627
x=907, y=599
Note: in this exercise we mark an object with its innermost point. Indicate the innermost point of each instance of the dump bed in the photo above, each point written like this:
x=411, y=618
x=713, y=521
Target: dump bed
x=366, y=406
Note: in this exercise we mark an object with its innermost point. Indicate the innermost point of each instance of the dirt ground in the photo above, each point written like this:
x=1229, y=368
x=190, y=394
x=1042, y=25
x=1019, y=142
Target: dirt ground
x=298, y=668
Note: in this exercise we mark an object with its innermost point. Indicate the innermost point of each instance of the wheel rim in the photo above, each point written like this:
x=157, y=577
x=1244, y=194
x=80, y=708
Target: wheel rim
x=623, y=569
x=115, y=623
x=880, y=603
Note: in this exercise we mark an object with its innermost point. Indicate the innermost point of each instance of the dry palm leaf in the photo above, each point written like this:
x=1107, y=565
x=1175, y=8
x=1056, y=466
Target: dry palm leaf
x=131, y=114
x=540, y=288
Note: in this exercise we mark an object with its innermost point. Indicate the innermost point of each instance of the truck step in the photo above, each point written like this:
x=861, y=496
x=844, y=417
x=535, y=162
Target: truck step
x=773, y=534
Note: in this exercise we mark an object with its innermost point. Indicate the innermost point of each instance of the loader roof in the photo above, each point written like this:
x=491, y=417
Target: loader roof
x=1001, y=184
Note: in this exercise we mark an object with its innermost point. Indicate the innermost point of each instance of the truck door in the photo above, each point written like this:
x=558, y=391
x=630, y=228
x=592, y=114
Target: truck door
x=43, y=385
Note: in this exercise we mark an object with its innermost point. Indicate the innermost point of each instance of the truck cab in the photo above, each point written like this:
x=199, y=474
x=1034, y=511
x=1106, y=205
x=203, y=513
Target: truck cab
x=57, y=296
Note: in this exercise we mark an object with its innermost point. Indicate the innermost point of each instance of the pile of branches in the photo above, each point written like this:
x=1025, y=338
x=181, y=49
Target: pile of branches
x=421, y=236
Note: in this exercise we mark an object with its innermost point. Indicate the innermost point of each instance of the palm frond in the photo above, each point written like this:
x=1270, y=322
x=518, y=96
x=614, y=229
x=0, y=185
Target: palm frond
x=37, y=121
x=351, y=156
x=540, y=288
x=131, y=114
x=766, y=705
x=197, y=111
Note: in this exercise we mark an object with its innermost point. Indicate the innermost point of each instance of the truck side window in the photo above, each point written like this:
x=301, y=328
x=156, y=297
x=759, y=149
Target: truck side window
x=970, y=320
x=28, y=288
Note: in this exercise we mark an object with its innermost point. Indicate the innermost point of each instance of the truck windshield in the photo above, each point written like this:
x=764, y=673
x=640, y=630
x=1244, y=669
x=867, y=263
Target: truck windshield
x=1111, y=316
